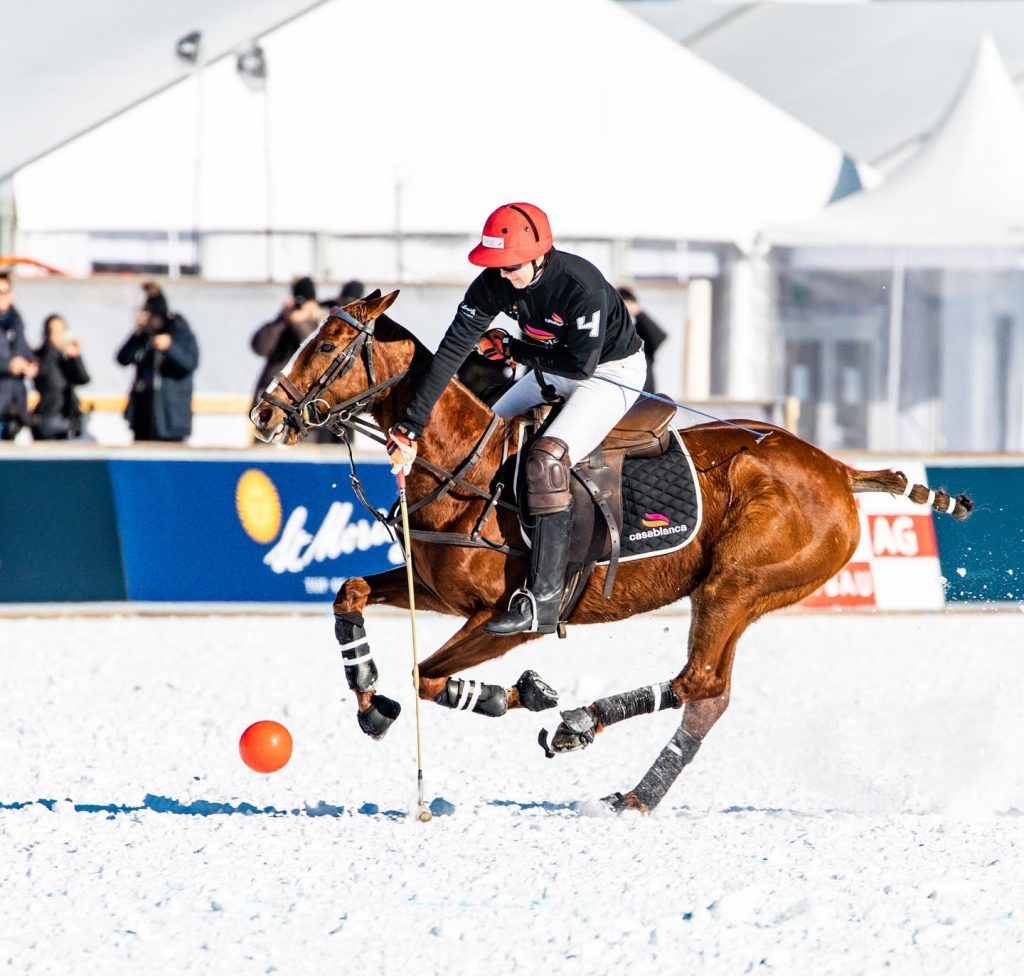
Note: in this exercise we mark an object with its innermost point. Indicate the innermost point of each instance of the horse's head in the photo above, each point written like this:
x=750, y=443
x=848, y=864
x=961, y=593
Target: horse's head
x=334, y=367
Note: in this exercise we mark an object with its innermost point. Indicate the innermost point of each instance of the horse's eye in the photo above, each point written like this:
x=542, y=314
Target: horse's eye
x=327, y=347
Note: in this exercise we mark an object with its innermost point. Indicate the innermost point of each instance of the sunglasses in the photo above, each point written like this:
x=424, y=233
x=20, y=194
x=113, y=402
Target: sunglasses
x=513, y=267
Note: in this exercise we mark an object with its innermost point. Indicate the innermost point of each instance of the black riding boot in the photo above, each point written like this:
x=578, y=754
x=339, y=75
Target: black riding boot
x=535, y=609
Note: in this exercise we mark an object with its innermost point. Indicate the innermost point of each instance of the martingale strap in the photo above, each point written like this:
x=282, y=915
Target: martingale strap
x=392, y=521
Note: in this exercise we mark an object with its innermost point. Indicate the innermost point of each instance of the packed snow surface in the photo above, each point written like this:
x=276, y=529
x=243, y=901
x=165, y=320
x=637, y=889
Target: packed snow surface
x=857, y=810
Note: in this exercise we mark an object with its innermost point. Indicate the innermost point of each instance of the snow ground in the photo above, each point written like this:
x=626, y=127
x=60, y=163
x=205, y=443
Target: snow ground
x=857, y=810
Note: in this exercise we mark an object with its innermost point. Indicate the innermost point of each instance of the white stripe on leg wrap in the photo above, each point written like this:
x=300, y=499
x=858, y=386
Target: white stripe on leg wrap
x=351, y=644
x=478, y=687
x=350, y=662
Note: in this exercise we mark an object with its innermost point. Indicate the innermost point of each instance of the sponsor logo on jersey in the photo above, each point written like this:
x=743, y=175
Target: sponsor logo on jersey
x=556, y=320
x=467, y=310
x=534, y=333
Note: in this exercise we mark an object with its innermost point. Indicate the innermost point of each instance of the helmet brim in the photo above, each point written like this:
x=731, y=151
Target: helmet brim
x=498, y=257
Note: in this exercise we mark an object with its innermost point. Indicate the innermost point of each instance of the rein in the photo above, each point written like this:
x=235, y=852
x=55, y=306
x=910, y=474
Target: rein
x=392, y=521
x=303, y=414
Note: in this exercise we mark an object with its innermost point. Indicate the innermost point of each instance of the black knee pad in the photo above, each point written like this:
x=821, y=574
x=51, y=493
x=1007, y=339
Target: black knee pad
x=360, y=671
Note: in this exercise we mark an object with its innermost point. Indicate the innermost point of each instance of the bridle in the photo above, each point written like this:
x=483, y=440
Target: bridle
x=304, y=412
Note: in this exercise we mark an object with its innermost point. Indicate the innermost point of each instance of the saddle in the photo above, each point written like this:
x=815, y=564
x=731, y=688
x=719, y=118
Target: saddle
x=596, y=483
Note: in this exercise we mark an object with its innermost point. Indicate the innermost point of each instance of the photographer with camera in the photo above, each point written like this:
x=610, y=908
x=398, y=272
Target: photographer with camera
x=17, y=364
x=58, y=415
x=165, y=354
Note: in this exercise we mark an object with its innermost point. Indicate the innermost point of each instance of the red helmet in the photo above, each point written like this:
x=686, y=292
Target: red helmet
x=513, y=234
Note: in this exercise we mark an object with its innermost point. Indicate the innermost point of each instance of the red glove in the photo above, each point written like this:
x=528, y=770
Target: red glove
x=493, y=345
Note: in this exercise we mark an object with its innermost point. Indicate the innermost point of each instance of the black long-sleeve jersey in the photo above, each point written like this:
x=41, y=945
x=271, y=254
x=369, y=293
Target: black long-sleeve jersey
x=571, y=318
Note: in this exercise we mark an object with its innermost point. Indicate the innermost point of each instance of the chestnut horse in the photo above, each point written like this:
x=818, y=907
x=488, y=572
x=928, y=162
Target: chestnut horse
x=778, y=521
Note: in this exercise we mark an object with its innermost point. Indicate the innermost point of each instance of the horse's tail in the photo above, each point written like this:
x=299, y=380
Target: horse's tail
x=897, y=483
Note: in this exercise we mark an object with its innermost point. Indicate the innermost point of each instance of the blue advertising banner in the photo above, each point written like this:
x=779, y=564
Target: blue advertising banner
x=983, y=558
x=58, y=533
x=242, y=531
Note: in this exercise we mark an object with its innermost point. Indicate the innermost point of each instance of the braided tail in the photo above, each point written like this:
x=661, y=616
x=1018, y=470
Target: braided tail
x=897, y=483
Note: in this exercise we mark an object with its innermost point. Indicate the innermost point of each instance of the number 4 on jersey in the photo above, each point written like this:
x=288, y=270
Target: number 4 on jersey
x=593, y=325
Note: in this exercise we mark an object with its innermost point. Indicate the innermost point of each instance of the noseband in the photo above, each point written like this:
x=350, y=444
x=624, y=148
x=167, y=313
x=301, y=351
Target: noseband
x=306, y=411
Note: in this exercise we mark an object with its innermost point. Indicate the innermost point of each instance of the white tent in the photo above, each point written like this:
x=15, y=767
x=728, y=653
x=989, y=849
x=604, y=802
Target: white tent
x=962, y=189
x=938, y=246
x=70, y=66
x=419, y=117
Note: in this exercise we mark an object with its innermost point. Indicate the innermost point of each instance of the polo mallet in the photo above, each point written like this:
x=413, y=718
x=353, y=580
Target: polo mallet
x=424, y=815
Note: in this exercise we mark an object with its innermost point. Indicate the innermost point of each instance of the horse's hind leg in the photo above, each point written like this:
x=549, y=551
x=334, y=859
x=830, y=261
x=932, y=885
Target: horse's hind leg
x=723, y=607
x=470, y=646
x=706, y=696
x=376, y=712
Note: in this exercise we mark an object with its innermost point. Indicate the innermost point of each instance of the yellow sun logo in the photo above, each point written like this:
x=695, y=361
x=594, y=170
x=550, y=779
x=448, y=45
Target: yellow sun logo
x=258, y=506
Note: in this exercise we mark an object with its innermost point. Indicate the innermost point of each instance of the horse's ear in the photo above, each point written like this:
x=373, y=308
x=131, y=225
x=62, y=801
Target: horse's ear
x=373, y=294
x=378, y=306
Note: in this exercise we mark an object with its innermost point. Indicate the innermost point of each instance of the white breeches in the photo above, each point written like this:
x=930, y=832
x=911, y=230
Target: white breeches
x=592, y=407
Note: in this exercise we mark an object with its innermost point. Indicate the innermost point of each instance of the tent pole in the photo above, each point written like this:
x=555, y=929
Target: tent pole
x=899, y=273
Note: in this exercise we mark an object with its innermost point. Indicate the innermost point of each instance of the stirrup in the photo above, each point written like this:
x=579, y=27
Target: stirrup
x=523, y=591
x=532, y=629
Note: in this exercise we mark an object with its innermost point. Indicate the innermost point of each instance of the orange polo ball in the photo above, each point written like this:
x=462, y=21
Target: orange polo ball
x=265, y=746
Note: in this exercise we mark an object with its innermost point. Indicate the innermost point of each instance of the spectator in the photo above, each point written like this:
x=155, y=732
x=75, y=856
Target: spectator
x=58, y=415
x=165, y=355
x=648, y=330
x=278, y=339
x=351, y=291
x=16, y=365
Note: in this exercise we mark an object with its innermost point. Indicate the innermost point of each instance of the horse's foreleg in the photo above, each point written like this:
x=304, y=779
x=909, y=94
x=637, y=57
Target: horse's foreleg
x=471, y=646
x=376, y=712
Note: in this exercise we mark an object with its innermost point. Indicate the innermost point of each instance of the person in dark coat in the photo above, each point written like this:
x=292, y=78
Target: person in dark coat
x=165, y=354
x=278, y=339
x=16, y=365
x=58, y=415
x=648, y=330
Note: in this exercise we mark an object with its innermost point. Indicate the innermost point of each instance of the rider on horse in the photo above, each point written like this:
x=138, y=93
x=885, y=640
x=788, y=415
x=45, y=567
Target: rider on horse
x=578, y=333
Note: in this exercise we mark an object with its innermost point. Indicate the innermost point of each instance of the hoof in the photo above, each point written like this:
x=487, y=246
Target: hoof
x=379, y=717
x=620, y=803
x=535, y=694
x=576, y=731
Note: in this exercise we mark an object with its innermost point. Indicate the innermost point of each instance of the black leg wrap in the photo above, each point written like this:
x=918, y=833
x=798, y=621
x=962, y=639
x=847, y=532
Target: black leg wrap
x=379, y=717
x=678, y=753
x=643, y=701
x=474, y=696
x=360, y=671
x=535, y=694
